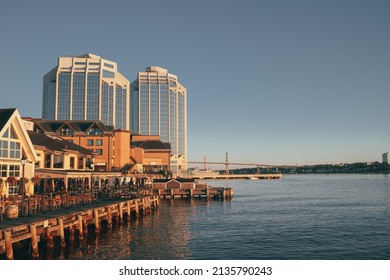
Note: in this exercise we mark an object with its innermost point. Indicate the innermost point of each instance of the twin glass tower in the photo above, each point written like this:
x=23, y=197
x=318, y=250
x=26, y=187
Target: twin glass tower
x=88, y=87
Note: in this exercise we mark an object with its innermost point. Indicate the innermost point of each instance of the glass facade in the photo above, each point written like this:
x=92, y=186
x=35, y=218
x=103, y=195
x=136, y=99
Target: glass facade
x=134, y=112
x=154, y=109
x=105, y=103
x=144, y=109
x=95, y=91
x=78, y=96
x=181, y=124
x=164, y=113
x=63, y=103
x=50, y=101
x=172, y=122
x=158, y=107
x=93, y=96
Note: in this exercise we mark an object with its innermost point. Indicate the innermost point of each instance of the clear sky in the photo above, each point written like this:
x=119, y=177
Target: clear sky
x=278, y=82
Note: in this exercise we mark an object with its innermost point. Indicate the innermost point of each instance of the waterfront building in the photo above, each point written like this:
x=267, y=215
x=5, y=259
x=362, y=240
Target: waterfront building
x=111, y=147
x=60, y=163
x=86, y=87
x=159, y=107
x=149, y=154
x=15, y=145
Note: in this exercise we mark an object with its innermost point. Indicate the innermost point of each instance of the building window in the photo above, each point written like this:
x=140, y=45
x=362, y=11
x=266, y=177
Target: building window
x=90, y=142
x=109, y=65
x=108, y=74
x=99, y=152
x=48, y=161
x=3, y=170
x=81, y=163
x=95, y=131
x=66, y=131
x=14, y=170
x=3, y=149
x=14, y=151
x=99, y=142
x=71, y=163
x=58, y=161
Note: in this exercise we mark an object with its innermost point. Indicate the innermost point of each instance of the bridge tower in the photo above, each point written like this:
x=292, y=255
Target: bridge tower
x=227, y=171
x=204, y=162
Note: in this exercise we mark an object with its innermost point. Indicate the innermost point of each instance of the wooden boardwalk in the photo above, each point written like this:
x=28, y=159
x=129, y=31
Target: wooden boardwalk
x=75, y=220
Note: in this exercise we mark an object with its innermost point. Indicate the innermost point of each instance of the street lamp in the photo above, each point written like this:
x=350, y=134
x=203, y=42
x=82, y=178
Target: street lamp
x=23, y=162
x=92, y=167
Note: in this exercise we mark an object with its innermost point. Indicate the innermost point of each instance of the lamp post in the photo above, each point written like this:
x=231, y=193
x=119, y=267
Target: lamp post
x=23, y=162
x=92, y=167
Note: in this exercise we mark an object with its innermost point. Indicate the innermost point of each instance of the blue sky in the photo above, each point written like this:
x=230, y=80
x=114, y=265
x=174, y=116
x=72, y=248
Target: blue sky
x=277, y=82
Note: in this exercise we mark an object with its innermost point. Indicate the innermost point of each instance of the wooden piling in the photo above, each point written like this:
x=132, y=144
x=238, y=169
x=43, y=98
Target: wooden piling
x=80, y=225
x=62, y=232
x=136, y=208
x=8, y=245
x=120, y=209
x=71, y=235
x=34, y=242
x=96, y=219
x=50, y=240
x=85, y=228
x=109, y=217
x=128, y=211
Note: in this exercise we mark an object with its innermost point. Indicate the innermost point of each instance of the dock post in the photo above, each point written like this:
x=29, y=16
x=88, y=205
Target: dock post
x=85, y=228
x=109, y=217
x=191, y=193
x=149, y=204
x=34, y=242
x=62, y=232
x=80, y=224
x=8, y=245
x=207, y=193
x=71, y=235
x=172, y=194
x=128, y=211
x=136, y=208
x=50, y=240
x=120, y=207
x=155, y=201
x=96, y=219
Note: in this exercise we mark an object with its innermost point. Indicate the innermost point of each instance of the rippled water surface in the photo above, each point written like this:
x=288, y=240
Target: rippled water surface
x=297, y=217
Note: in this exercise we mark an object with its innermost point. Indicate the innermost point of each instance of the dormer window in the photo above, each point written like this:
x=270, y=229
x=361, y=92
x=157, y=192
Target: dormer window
x=95, y=131
x=66, y=131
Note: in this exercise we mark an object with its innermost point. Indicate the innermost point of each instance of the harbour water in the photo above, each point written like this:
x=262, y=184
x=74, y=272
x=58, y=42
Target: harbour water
x=298, y=217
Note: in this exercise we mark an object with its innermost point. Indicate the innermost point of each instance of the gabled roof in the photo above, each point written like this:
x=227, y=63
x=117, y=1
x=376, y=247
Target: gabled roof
x=5, y=115
x=152, y=145
x=52, y=126
x=180, y=180
x=11, y=118
x=56, y=144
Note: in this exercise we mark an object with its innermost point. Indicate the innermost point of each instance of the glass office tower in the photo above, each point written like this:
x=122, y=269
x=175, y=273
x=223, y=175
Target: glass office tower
x=87, y=87
x=159, y=107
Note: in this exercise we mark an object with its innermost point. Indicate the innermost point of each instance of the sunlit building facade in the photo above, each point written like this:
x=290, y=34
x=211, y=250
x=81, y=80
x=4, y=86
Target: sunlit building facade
x=159, y=107
x=86, y=87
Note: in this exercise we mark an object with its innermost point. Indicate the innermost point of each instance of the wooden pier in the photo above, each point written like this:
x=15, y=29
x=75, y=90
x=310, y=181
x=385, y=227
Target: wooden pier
x=216, y=193
x=74, y=221
x=189, y=188
x=206, y=176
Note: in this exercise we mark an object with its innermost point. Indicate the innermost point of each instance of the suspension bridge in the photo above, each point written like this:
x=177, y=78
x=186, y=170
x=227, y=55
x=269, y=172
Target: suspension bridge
x=228, y=165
